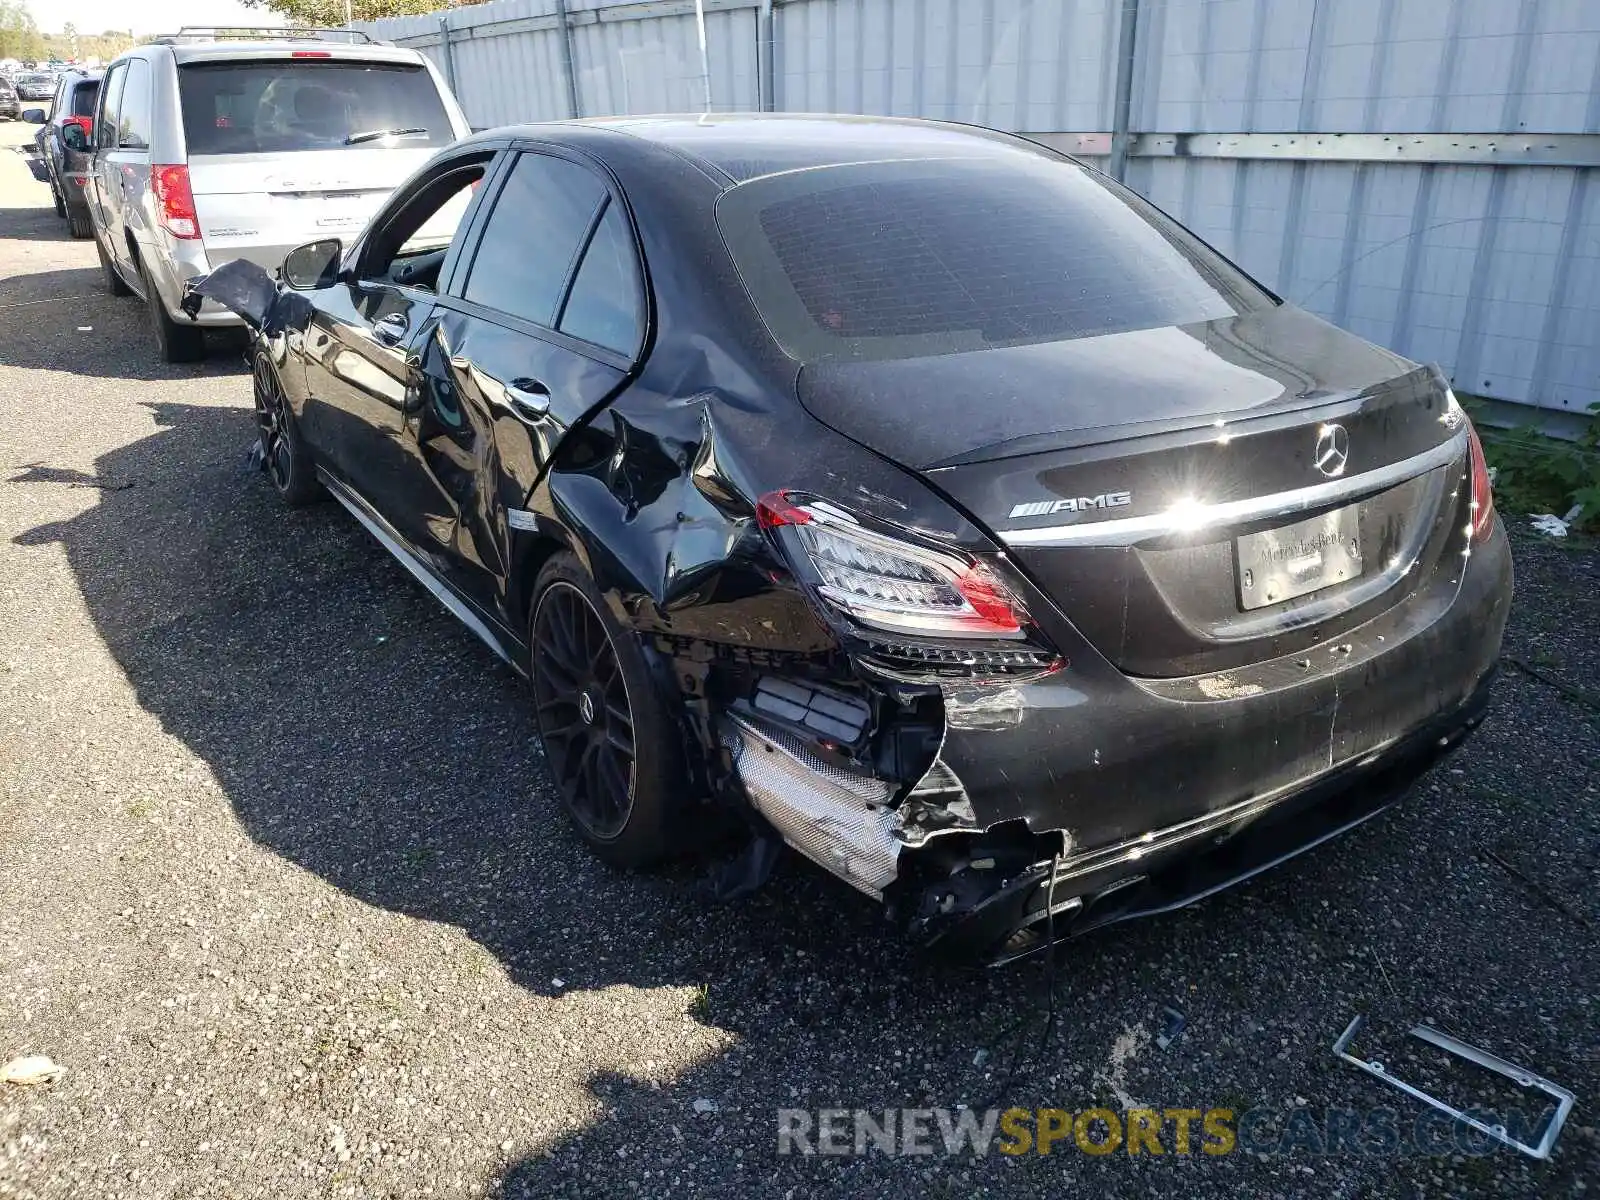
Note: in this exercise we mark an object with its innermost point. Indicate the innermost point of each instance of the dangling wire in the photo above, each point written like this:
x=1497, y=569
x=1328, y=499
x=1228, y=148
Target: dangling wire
x=1050, y=991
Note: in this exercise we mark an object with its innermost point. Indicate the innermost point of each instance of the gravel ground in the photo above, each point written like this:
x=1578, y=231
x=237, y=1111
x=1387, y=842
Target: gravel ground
x=284, y=888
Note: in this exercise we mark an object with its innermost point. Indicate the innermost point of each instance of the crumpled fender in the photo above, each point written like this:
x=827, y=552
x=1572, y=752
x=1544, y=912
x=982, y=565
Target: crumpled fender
x=245, y=288
x=667, y=516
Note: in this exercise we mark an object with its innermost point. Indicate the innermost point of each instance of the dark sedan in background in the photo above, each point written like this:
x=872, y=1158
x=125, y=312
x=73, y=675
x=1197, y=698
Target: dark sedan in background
x=909, y=493
x=35, y=85
x=66, y=145
x=10, y=103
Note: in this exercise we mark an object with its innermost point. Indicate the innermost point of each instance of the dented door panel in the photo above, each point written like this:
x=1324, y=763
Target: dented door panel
x=494, y=404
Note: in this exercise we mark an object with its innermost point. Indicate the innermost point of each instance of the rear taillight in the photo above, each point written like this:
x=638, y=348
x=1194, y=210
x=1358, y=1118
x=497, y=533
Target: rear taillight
x=887, y=584
x=84, y=123
x=174, y=200
x=1482, y=490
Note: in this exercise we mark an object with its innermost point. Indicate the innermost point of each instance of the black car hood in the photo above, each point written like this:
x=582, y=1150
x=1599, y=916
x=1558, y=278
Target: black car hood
x=978, y=405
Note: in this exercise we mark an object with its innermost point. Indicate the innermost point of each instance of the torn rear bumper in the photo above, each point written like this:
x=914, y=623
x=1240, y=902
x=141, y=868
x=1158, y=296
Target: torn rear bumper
x=1106, y=756
x=1173, y=867
x=1154, y=793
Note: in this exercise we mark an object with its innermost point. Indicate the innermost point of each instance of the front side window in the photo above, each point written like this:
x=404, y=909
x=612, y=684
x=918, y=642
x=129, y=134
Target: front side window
x=409, y=246
x=533, y=237
x=309, y=104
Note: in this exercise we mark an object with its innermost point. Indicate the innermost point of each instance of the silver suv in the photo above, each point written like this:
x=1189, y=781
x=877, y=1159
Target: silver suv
x=208, y=150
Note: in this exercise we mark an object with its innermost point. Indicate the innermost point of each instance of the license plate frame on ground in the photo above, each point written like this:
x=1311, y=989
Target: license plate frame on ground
x=1296, y=560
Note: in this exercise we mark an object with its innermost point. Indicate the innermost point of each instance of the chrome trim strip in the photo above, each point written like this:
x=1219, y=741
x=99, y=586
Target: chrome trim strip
x=1125, y=531
x=415, y=565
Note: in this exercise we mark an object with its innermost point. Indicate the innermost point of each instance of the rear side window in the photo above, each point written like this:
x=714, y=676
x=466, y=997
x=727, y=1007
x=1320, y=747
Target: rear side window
x=297, y=104
x=603, y=306
x=533, y=237
x=896, y=259
x=133, y=118
x=83, y=99
x=105, y=136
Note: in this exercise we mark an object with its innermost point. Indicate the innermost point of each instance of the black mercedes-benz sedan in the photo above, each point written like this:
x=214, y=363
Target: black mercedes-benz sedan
x=905, y=492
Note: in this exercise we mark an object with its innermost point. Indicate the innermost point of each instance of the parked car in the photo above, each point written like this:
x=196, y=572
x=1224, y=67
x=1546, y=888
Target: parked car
x=10, y=104
x=65, y=143
x=210, y=150
x=912, y=493
x=35, y=85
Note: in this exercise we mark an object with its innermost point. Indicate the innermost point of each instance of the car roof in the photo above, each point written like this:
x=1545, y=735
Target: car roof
x=744, y=146
x=283, y=48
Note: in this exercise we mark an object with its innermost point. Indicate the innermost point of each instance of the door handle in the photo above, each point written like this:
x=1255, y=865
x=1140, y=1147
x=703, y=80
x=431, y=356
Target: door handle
x=528, y=398
x=390, y=329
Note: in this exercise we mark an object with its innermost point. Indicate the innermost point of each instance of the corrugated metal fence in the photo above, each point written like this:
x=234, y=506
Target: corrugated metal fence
x=1419, y=171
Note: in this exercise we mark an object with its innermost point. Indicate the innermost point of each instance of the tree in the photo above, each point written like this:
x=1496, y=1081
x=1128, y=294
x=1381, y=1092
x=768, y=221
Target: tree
x=331, y=12
x=19, y=36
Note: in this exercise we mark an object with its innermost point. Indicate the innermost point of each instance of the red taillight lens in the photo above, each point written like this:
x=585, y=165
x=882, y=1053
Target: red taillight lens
x=175, y=200
x=886, y=583
x=775, y=509
x=310, y=54
x=1482, y=490
x=84, y=123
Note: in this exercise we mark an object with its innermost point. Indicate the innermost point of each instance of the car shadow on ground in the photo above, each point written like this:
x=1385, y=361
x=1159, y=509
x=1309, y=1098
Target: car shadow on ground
x=38, y=223
x=66, y=320
x=358, y=731
x=86, y=331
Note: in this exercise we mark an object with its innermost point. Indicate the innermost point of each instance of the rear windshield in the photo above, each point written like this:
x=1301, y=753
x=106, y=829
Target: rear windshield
x=83, y=98
x=282, y=105
x=905, y=258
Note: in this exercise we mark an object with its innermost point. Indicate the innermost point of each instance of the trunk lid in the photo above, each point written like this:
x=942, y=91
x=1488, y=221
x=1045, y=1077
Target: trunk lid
x=1162, y=487
x=260, y=206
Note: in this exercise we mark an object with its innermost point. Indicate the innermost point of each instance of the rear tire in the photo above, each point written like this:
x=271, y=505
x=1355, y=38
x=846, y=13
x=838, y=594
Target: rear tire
x=108, y=272
x=284, y=455
x=78, y=224
x=176, y=343
x=608, y=738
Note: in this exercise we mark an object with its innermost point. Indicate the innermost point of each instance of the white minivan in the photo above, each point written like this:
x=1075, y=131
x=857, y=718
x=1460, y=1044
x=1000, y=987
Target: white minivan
x=207, y=150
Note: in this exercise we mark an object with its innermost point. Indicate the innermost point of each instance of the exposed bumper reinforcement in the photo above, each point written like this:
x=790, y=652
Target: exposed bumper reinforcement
x=838, y=819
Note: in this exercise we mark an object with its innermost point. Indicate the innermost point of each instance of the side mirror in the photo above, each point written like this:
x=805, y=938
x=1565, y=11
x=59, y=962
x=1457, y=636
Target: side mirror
x=314, y=265
x=74, y=138
x=33, y=116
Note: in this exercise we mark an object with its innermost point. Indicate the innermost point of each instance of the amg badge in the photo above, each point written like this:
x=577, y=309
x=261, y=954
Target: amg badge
x=1045, y=508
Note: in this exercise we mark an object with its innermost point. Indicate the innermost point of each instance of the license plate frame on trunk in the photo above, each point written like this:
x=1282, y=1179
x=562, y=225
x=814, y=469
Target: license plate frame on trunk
x=1296, y=560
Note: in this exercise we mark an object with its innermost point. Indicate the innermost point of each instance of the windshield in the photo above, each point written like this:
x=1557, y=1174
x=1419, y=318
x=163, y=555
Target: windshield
x=932, y=256
x=282, y=105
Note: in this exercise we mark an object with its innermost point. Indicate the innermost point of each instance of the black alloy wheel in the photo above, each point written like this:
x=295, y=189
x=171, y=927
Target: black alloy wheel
x=585, y=715
x=283, y=454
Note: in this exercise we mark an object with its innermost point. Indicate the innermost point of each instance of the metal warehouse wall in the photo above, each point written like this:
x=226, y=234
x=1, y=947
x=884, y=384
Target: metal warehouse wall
x=1419, y=171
